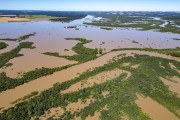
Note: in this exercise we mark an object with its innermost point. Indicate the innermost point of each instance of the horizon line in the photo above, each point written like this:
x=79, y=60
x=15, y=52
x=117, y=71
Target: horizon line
x=95, y=10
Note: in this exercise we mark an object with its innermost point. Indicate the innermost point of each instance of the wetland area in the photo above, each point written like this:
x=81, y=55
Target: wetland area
x=89, y=65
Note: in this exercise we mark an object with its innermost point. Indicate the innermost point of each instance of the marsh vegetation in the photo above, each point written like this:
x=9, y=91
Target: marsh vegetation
x=83, y=54
x=3, y=45
x=145, y=21
x=24, y=37
x=99, y=84
x=144, y=80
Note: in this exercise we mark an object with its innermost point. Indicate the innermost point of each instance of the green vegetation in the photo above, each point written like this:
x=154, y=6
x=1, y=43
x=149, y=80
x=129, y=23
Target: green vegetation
x=106, y=28
x=24, y=37
x=144, y=80
x=9, y=39
x=176, y=38
x=5, y=57
x=173, y=52
x=35, y=16
x=8, y=64
x=25, y=97
x=136, y=20
x=170, y=28
x=3, y=45
x=135, y=42
x=62, y=16
x=83, y=54
x=9, y=83
x=71, y=26
x=66, y=50
x=6, y=82
x=128, y=22
x=56, y=54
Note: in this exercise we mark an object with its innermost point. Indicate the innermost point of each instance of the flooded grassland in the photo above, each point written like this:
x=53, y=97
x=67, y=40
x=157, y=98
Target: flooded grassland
x=83, y=71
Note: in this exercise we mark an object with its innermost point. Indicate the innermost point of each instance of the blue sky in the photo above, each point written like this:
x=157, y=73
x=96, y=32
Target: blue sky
x=92, y=5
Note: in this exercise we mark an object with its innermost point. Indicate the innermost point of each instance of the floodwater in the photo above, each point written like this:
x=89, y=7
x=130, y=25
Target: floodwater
x=53, y=112
x=95, y=117
x=53, y=33
x=174, y=84
x=165, y=21
x=77, y=106
x=154, y=110
x=71, y=107
x=50, y=38
x=32, y=60
x=11, y=45
x=46, y=82
x=97, y=79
